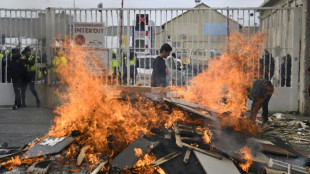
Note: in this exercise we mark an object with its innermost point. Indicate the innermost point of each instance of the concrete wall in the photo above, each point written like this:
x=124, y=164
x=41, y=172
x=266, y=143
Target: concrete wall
x=7, y=96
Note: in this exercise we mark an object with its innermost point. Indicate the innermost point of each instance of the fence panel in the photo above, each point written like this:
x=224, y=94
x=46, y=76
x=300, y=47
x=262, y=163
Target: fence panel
x=196, y=35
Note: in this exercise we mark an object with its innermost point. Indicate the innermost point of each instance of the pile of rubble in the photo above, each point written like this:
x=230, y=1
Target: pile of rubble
x=181, y=148
x=290, y=128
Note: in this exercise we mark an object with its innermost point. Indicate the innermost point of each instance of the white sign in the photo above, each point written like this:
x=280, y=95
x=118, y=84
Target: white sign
x=89, y=34
x=51, y=141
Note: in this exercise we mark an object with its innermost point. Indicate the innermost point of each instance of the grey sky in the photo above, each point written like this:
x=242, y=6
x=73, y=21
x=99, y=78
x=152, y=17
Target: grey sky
x=35, y=4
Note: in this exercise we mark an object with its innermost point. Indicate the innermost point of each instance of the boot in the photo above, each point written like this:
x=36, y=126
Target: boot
x=15, y=107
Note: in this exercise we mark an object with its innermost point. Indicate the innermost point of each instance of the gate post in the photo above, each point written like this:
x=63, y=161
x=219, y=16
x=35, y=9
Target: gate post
x=50, y=23
x=304, y=102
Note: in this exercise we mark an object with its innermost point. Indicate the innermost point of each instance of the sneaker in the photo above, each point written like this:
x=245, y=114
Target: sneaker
x=38, y=103
x=15, y=107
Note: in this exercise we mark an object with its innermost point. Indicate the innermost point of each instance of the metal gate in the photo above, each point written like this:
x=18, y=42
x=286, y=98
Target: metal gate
x=196, y=35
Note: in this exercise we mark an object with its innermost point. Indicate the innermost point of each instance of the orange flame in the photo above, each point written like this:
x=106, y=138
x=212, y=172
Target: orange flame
x=207, y=136
x=90, y=107
x=223, y=86
x=144, y=165
x=138, y=152
x=246, y=155
x=16, y=161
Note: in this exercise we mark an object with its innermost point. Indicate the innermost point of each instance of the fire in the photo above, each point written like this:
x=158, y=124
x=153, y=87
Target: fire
x=144, y=165
x=207, y=136
x=106, y=123
x=16, y=161
x=246, y=155
x=138, y=152
x=223, y=86
x=90, y=107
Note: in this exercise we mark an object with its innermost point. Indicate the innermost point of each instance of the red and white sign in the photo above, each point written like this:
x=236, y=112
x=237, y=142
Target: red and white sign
x=89, y=34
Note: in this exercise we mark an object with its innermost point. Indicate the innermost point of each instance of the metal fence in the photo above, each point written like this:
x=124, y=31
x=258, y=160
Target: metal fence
x=132, y=38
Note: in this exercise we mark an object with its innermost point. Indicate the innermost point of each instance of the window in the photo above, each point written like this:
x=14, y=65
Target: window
x=176, y=44
x=140, y=45
x=181, y=54
x=146, y=62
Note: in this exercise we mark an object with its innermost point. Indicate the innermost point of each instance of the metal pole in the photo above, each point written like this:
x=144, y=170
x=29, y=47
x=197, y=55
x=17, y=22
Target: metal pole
x=121, y=24
x=304, y=91
x=128, y=51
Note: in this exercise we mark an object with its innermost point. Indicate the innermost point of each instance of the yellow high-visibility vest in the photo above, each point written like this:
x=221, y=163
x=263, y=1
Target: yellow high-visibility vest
x=33, y=67
x=7, y=52
x=131, y=62
x=115, y=64
x=1, y=56
x=59, y=62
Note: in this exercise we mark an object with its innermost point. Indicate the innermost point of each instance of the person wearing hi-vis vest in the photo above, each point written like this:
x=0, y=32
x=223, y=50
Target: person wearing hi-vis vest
x=59, y=62
x=30, y=61
x=115, y=66
x=133, y=65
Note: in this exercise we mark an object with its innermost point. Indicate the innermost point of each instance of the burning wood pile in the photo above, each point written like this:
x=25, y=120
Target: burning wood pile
x=197, y=146
x=201, y=131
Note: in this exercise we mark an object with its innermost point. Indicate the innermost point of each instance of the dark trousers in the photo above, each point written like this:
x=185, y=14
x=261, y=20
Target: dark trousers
x=260, y=102
x=17, y=85
x=4, y=72
x=30, y=80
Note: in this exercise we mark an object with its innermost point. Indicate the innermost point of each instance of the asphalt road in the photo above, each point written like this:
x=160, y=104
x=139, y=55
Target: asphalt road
x=20, y=127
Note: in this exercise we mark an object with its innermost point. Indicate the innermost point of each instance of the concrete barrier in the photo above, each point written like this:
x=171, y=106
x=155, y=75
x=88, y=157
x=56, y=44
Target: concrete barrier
x=7, y=96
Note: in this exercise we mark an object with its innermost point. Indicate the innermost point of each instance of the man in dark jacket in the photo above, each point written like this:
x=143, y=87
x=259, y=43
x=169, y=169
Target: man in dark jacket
x=261, y=94
x=31, y=74
x=158, y=78
x=17, y=70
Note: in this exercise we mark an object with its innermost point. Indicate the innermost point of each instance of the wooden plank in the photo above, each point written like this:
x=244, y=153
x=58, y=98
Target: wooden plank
x=216, y=166
x=276, y=150
x=302, y=139
x=215, y=155
x=166, y=158
x=260, y=158
x=178, y=140
x=189, y=109
x=82, y=155
x=99, y=167
x=127, y=158
x=272, y=171
x=189, y=104
x=187, y=155
x=301, y=151
x=282, y=144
